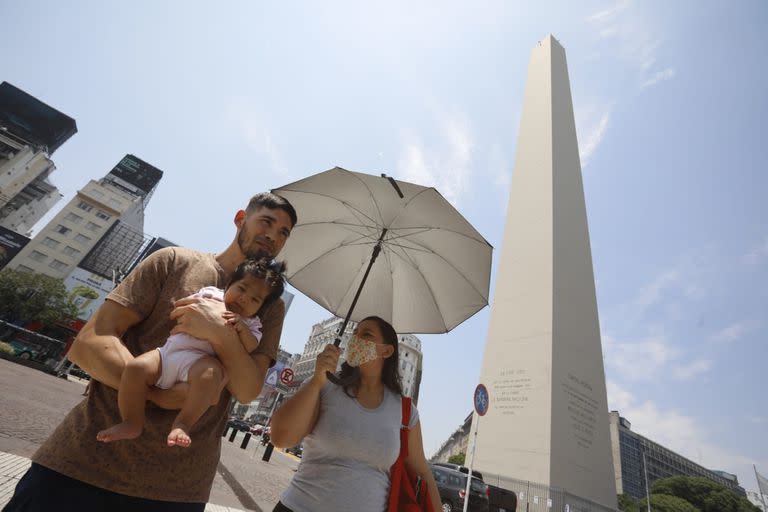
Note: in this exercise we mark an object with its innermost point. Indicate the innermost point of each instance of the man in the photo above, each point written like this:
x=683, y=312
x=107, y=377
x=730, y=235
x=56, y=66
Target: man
x=72, y=470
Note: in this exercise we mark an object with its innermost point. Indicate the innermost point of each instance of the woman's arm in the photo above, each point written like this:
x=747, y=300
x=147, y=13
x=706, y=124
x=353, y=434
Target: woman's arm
x=417, y=465
x=296, y=418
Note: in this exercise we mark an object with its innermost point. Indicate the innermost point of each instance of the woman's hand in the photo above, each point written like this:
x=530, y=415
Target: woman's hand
x=327, y=361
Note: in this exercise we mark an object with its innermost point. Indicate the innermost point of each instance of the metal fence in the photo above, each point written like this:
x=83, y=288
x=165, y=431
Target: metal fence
x=536, y=497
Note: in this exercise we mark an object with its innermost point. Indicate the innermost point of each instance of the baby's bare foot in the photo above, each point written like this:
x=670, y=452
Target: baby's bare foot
x=119, y=432
x=179, y=437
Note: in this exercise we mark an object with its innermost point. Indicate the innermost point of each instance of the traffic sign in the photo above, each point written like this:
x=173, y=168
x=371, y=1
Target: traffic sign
x=286, y=376
x=481, y=400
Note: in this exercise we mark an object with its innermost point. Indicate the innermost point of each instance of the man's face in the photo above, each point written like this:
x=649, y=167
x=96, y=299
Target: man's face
x=263, y=232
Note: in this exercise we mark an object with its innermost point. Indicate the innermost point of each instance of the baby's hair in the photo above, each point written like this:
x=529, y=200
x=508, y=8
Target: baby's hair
x=273, y=272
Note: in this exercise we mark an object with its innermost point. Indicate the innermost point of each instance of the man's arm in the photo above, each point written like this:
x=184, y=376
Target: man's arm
x=98, y=349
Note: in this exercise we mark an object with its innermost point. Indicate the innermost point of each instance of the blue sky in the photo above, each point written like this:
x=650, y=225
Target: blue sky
x=670, y=108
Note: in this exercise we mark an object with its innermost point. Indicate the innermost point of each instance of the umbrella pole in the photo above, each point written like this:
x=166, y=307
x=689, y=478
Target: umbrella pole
x=376, y=251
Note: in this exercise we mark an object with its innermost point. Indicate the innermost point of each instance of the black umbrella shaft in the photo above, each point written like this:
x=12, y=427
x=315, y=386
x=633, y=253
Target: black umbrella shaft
x=376, y=251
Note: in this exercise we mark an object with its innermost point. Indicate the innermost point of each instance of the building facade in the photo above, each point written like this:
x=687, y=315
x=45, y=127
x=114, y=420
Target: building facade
x=30, y=132
x=110, y=209
x=635, y=455
x=324, y=333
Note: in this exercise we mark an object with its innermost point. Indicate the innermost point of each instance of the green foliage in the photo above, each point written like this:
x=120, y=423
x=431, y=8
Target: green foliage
x=457, y=459
x=667, y=503
x=627, y=504
x=26, y=296
x=704, y=494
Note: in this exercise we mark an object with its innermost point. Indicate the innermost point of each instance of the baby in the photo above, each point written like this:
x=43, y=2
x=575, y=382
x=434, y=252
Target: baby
x=254, y=284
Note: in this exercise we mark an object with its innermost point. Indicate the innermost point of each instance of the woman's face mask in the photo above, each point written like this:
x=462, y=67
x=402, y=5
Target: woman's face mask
x=361, y=351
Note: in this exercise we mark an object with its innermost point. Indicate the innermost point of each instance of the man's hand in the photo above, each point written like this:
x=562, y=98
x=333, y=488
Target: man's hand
x=200, y=317
x=172, y=398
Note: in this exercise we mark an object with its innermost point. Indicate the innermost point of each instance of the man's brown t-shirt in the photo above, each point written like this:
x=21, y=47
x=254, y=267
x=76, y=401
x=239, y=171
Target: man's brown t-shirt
x=146, y=467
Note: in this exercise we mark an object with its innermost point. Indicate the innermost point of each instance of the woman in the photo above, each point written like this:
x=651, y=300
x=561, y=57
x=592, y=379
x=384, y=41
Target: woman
x=351, y=432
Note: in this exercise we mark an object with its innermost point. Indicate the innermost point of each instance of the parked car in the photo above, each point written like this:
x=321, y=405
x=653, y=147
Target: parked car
x=257, y=429
x=452, y=485
x=501, y=500
x=463, y=469
x=297, y=450
x=238, y=424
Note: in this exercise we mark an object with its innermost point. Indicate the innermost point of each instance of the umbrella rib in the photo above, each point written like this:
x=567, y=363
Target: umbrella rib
x=347, y=205
x=427, y=249
x=370, y=193
x=432, y=294
x=438, y=228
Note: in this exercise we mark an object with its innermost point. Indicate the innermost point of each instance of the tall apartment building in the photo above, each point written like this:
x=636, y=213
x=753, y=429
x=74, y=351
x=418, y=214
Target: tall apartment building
x=323, y=333
x=635, y=455
x=30, y=132
x=112, y=206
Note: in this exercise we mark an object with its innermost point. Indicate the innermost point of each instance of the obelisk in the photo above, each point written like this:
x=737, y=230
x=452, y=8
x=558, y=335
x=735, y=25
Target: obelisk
x=543, y=362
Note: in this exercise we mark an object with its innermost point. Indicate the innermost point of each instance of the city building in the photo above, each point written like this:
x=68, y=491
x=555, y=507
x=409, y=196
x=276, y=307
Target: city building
x=456, y=444
x=272, y=394
x=324, y=333
x=112, y=207
x=30, y=132
x=635, y=455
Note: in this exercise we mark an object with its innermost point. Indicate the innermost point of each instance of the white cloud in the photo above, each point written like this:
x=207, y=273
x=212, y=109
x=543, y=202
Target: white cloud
x=638, y=360
x=255, y=132
x=591, y=122
x=609, y=14
x=651, y=293
x=757, y=255
x=660, y=76
x=623, y=33
x=445, y=166
x=732, y=332
x=693, y=369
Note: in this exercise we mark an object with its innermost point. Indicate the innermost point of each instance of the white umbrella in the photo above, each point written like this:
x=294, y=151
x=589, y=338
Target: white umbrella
x=433, y=269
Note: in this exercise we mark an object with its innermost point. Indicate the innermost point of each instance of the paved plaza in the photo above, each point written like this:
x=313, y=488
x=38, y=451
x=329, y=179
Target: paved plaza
x=33, y=403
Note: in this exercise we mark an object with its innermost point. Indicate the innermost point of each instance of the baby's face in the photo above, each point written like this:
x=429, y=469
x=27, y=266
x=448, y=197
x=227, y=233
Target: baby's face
x=246, y=296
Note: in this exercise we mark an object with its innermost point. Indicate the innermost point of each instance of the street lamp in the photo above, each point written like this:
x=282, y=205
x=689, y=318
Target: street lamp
x=647, y=489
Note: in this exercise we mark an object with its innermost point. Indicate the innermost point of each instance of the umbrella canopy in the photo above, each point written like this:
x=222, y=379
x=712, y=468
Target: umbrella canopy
x=433, y=270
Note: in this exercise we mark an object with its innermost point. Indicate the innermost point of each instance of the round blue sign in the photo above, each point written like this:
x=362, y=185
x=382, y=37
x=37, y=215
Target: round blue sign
x=481, y=400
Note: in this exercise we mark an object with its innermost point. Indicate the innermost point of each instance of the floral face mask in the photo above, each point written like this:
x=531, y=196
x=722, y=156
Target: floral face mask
x=361, y=351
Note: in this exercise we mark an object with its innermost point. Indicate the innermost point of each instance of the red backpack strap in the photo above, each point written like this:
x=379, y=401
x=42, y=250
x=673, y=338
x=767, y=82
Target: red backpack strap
x=405, y=426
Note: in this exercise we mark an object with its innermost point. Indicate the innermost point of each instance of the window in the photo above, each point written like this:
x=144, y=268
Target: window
x=82, y=239
x=70, y=251
x=24, y=268
x=92, y=227
x=104, y=216
x=62, y=229
x=50, y=242
x=73, y=218
x=58, y=265
x=37, y=256
x=114, y=203
x=84, y=206
x=98, y=194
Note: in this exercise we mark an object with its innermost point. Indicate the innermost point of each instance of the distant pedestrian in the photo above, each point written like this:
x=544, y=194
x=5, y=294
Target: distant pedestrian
x=351, y=432
x=72, y=471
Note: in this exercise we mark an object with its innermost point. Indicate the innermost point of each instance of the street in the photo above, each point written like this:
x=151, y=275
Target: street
x=33, y=403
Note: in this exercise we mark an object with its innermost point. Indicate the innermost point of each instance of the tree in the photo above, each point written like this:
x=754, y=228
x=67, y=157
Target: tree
x=457, y=459
x=667, y=503
x=27, y=296
x=627, y=504
x=703, y=493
